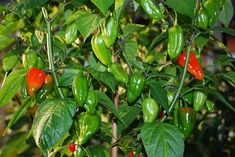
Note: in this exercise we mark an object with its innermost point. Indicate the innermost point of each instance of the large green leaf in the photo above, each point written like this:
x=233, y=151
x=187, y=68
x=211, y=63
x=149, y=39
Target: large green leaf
x=226, y=13
x=5, y=41
x=52, y=120
x=11, y=86
x=158, y=93
x=185, y=7
x=162, y=140
x=103, y=5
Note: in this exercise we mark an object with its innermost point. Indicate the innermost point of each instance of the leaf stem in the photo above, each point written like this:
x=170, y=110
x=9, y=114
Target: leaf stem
x=114, y=129
x=4, y=79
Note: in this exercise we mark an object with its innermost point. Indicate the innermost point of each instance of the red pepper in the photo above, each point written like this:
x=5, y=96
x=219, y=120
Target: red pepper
x=193, y=65
x=35, y=78
x=131, y=153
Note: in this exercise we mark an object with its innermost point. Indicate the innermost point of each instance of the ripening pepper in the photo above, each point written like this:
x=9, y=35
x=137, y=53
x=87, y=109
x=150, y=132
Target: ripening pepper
x=152, y=10
x=46, y=88
x=71, y=33
x=210, y=105
x=202, y=19
x=9, y=62
x=101, y=50
x=150, y=110
x=119, y=73
x=29, y=59
x=199, y=99
x=193, y=65
x=80, y=89
x=88, y=126
x=135, y=87
x=212, y=8
x=186, y=120
x=175, y=42
x=109, y=31
x=91, y=102
x=35, y=79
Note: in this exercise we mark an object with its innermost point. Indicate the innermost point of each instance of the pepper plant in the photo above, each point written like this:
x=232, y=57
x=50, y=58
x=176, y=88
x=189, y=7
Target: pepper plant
x=112, y=77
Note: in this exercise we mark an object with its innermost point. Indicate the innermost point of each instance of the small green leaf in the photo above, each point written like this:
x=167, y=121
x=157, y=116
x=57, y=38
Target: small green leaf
x=229, y=31
x=129, y=28
x=162, y=140
x=229, y=77
x=5, y=41
x=156, y=40
x=103, y=5
x=11, y=86
x=226, y=13
x=201, y=41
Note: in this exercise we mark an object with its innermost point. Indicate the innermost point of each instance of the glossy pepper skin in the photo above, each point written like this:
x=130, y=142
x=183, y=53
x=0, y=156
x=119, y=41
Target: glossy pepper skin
x=202, y=19
x=186, y=120
x=210, y=105
x=101, y=50
x=109, y=31
x=212, y=8
x=71, y=33
x=199, y=99
x=88, y=126
x=41, y=63
x=35, y=79
x=29, y=59
x=9, y=62
x=193, y=65
x=119, y=73
x=79, y=152
x=150, y=110
x=46, y=88
x=152, y=10
x=175, y=41
x=135, y=87
x=91, y=102
x=80, y=89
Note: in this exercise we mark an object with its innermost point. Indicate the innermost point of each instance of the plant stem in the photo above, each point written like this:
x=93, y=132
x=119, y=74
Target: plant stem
x=4, y=79
x=114, y=129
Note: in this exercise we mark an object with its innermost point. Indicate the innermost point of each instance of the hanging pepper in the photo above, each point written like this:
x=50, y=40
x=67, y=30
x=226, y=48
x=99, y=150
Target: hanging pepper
x=91, y=102
x=46, y=89
x=88, y=126
x=175, y=41
x=100, y=49
x=212, y=8
x=186, y=120
x=199, y=99
x=202, y=19
x=152, y=10
x=9, y=62
x=109, y=31
x=135, y=87
x=79, y=152
x=35, y=79
x=150, y=110
x=71, y=33
x=193, y=65
x=210, y=105
x=80, y=89
x=29, y=59
x=118, y=72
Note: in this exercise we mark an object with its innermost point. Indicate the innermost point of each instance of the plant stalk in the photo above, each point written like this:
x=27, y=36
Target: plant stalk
x=114, y=129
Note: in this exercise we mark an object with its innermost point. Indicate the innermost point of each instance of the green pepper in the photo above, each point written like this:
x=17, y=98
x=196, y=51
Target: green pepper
x=175, y=43
x=9, y=62
x=150, y=110
x=24, y=92
x=170, y=97
x=212, y=8
x=210, y=105
x=41, y=63
x=29, y=59
x=199, y=99
x=101, y=50
x=109, y=31
x=152, y=10
x=79, y=152
x=186, y=120
x=202, y=19
x=135, y=87
x=71, y=33
x=175, y=118
x=88, y=126
x=80, y=89
x=91, y=102
x=46, y=89
x=119, y=73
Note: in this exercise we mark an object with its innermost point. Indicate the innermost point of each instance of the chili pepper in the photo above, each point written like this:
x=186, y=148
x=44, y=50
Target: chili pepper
x=131, y=153
x=100, y=49
x=109, y=31
x=80, y=89
x=135, y=87
x=91, y=102
x=46, y=89
x=88, y=126
x=212, y=8
x=9, y=62
x=210, y=105
x=150, y=110
x=202, y=19
x=24, y=93
x=175, y=41
x=186, y=120
x=199, y=99
x=34, y=80
x=152, y=10
x=119, y=73
x=193, y=65
x=72, y=147
x=170, y=97
x=30, y=60
x=71, y=33
x=79, y=152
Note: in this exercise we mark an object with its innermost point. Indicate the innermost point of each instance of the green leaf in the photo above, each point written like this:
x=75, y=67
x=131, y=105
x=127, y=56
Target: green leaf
x=158, y=93
x=185, y=7
x=119, y=6
x=224, y=60
x=11, y=86
x=162, y=140
x=156, y=40
x=52, y=120
x=229, y=77
x=103, y=5
x=97, y=150
x=229, y=31
x=5, y=41
x=201, y=41
x=86, y=21
x=129, y=28
x=226, y=13
x=107, y=103
x=67, y=78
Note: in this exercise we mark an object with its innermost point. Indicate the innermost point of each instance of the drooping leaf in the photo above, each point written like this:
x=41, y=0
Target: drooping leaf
x=229, y=77
x=162, y=140
x=226, y=30
x=224, y=60
x=103, y=5
x=11, y=86
x=226, y=13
